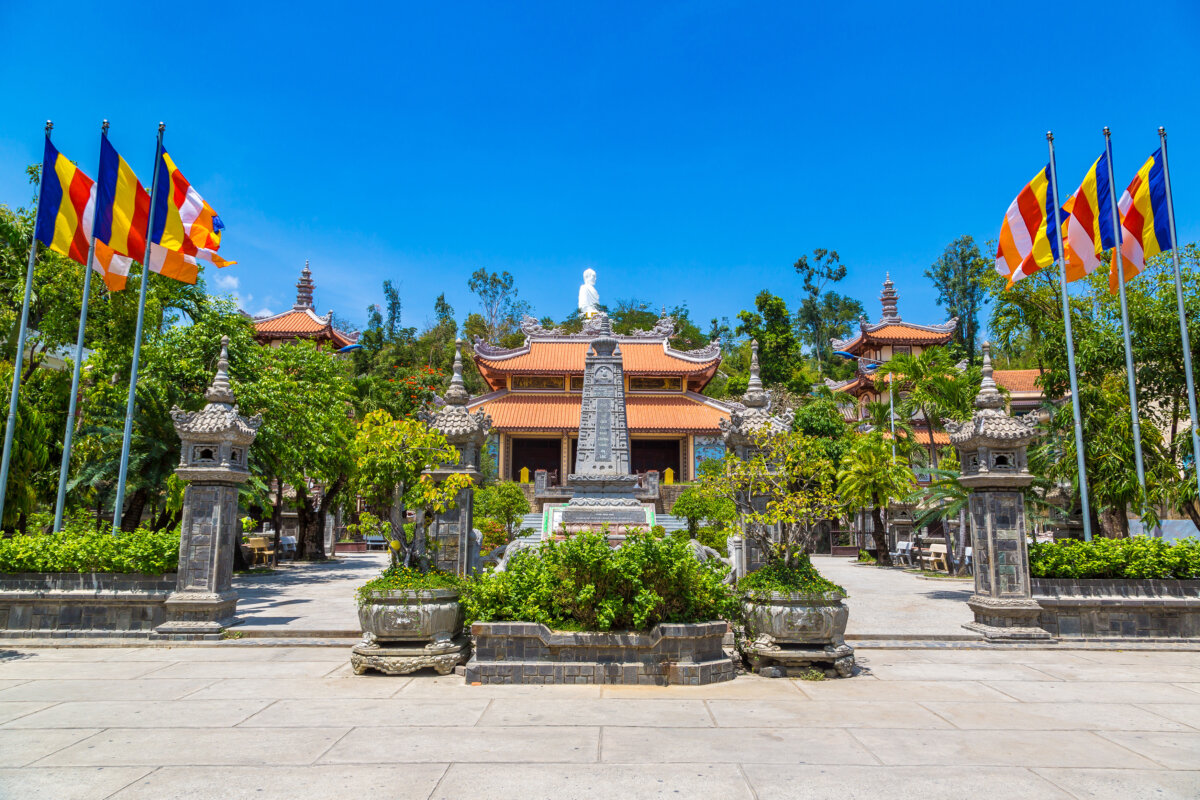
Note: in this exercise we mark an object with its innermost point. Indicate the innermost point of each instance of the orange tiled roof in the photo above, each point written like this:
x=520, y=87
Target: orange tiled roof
x=901, y=333
x=563, y=357
x=298, y=323
x=921, y=436
x=1018, y=380
x=645, y=413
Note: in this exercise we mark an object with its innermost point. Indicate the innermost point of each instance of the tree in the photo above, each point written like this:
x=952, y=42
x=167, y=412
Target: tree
x=771, y=325
x=30, y=456
x=504, y=502
x=502, y=310
x=390, y=458
x=958, y=275
x=697, y=507
x=870, y=477
x=921, y=383
x=819, y=317
x=784, y=483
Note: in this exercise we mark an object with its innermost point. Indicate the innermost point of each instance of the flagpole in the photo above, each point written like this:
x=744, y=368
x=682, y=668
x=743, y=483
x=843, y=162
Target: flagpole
x=137, y=340
x=1080, y=464
x=65, y=470
x=1130, y=377
x=1183, y=326
x=19, y=358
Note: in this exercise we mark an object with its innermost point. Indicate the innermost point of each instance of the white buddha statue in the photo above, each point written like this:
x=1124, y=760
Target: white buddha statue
x=588, y=296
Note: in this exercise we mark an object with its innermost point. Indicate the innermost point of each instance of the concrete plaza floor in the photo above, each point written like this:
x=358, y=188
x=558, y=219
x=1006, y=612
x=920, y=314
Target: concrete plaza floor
x=242, y=720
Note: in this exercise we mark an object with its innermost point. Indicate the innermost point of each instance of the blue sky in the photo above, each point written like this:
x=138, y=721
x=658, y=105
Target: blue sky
x=689, y=151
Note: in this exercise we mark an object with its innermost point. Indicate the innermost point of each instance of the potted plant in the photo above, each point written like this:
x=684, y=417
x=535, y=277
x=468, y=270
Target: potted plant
x=410, y=615
x=782, y=487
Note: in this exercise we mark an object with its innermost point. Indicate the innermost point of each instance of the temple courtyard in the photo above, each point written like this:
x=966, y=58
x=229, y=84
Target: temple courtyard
x=243, y=719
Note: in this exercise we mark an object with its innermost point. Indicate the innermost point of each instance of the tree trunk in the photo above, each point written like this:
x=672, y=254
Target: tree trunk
x=883, y=556
x=1114, y=523
x=133, y=512
x=932, y=446
x=277, y=520
x=323, y=512
x=310, y=541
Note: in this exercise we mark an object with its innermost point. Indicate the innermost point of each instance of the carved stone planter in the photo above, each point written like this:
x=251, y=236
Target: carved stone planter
x=404, y=631
x=528, y=652
x=791, y=632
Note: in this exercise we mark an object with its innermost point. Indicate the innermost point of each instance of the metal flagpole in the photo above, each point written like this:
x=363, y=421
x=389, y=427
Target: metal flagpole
x=137, y=340
x=1183, y=326
x=1080, y=465
x=19, y=358
x=1131, y=378
x=65, y=470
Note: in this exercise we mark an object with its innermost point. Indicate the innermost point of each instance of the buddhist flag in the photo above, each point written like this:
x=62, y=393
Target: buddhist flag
x=1089, y=226
x=64, y=218
x=185, y=227
x=124, y=214
x=1145, y=229
x=1028, y=240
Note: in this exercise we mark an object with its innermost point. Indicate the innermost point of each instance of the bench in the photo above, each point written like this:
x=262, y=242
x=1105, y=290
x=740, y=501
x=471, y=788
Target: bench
x=903, y=553
x=375, y=541
x=934, y=556
x=258, y=550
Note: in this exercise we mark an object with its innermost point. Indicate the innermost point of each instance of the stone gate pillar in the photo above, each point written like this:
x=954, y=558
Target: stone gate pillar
x=992, y=449
x=212, y=464
x=451, y=533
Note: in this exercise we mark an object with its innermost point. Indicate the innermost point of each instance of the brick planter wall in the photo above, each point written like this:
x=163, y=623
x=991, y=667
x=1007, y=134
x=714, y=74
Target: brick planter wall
x=1126, y=609
x=68, y=603
x=528, y=652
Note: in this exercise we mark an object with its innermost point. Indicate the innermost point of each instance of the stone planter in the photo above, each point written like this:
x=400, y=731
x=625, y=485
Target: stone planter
x=1118, y=608
x=404, y=631
x=791, y=632
x=350, y=547
x=528, y=652
x=69, y=604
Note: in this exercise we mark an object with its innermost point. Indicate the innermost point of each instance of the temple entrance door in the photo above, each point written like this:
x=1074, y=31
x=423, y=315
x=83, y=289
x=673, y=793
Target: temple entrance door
x=659, y=454
x=536, y=454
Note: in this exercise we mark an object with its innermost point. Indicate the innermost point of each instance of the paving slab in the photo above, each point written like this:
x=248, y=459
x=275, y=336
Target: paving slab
x=142, y=714
x=960, y=672
x=18, y=748
x=232, y=651
x=10, y=710
x=1000, y=749
x=659, y=713
x=731, y=745
x=34, y=667
x=197, y=747
x=1142, y=657
x=67, y=783
x=307, y=596
x=816, y=714
x=357, y=712
x=245, y=669
x=1168, y=673
x=587, y=781
x=747, y=685
x=788, y=782
x=428, y=685
x=141, y=689
x=386, y=782
x=884, y=691
x=1125, y=784
x=1053, y=716
x=297, y=688
x=1173, y=750
x=1089, y=692
x=417, y=744
x=1188, y=714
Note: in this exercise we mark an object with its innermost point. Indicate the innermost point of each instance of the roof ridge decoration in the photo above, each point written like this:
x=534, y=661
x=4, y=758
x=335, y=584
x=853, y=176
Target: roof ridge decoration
x=456, y=394
x=755, y=415
x=891, y=316
x=219, y=391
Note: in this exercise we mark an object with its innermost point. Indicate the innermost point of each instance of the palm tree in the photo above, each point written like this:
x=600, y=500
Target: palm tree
x=945, y=498
x=871, y=477
x=921, y=379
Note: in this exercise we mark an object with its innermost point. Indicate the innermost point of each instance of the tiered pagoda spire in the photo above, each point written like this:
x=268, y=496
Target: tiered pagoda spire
x=304, y=289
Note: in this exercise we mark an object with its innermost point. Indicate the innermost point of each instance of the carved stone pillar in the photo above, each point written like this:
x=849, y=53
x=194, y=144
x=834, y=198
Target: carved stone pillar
x=451, y=533
x=992, y=450
x=213, y=464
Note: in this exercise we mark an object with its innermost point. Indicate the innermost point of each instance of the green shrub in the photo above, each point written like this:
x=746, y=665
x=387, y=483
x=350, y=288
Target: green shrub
x=399, y=578
x=1135, y=557
x=493, y=532
x=581, y=583
x=866, y=557
x=799, y=578
x=149, y=552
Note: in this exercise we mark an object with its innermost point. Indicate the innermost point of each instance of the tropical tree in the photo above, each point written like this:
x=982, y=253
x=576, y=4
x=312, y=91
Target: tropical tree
x=697, y=507
x=958, y=276
x=503, y=502
x=871, y=478
x=921, y=382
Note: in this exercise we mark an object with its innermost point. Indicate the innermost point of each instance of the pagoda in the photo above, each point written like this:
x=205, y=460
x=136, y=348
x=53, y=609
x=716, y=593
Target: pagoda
x=301, y=321
x=537, y=393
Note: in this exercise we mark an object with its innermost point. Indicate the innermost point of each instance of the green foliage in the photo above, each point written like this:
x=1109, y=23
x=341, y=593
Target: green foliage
x=582, y=583
x=958, y=276
x=822, y=317
x=503, y=502
x=1135, y=557
x=771, y=325
x=75, y=550
x=494, y=534
x=799, y=577
x=399, y=578
x=697, y=508
x=865, y=557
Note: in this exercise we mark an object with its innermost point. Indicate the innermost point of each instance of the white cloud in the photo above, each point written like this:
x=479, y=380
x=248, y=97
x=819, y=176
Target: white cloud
x=224, y=281
x=263, y=312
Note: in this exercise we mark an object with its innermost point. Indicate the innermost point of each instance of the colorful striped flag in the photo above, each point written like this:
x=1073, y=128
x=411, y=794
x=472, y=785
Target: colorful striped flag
x=1028, y=240
x=185, y=227
x=1145, y=229
x=124, y=209
x=1089, y=228
x=64, y=217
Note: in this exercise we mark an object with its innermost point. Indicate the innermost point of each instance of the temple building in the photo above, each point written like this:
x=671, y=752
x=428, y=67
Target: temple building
x=301, y=321
x=536, y=394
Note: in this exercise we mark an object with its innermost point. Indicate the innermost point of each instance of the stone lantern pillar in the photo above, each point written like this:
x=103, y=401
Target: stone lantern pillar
x=452, y=531
x=212, y=464
x=992, y=449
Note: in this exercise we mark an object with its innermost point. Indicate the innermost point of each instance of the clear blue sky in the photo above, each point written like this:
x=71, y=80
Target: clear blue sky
x=688, y=151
